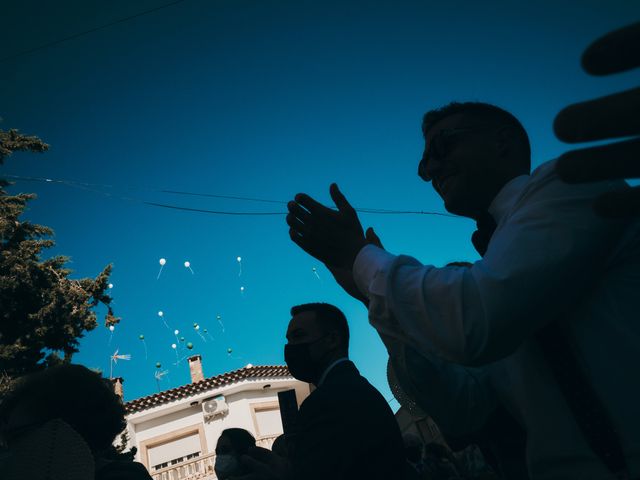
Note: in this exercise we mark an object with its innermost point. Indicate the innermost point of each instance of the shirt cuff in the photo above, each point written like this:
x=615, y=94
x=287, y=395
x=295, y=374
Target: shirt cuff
x=370, y=261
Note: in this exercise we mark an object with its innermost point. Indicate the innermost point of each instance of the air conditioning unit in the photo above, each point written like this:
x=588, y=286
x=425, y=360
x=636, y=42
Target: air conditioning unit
x=214, y=407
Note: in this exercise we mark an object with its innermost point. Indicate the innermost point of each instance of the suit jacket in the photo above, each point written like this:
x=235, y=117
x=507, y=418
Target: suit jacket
x=346, y=430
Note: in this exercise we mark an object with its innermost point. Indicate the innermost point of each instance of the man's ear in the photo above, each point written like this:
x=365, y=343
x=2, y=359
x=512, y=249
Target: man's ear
x=335, y=341
x=504, y=137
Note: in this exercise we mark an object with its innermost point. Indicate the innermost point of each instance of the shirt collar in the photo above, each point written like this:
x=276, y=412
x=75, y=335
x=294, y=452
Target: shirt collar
x=506, y=197
x=326, y=371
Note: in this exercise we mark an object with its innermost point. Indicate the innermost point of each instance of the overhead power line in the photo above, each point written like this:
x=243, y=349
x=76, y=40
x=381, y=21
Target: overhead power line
x=86, y=32
x=96, y=188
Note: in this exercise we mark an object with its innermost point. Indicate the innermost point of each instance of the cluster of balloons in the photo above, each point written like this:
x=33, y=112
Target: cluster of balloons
x=159, y=374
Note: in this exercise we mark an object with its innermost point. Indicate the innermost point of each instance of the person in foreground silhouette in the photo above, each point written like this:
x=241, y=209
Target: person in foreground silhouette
x=551, y=303
x=61, y=423
x=345, y=429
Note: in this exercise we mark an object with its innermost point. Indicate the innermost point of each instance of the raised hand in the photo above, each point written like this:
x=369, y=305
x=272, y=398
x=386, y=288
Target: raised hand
x=332, y=236
x=609, y=117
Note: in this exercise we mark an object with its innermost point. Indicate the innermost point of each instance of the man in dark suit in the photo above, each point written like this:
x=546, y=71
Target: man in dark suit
x=345, y=428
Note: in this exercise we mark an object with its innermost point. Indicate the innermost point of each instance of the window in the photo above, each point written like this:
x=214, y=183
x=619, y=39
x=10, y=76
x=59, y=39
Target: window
x=174, y=451
x=267, y=419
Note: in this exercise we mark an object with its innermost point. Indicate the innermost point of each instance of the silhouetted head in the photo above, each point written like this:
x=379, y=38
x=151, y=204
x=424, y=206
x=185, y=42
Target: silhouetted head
x=72, y=393
x=232, y=444
x=471, y=151
x=235, y=441
x=280, y=447
x=318, y=334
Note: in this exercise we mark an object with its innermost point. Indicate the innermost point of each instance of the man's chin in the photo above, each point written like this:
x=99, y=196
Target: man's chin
x=457, y=208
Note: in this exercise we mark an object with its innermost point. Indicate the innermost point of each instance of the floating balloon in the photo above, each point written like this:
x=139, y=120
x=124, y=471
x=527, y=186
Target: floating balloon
x=242, y=290
x=161, y=315
x=110, y=285
x=162, y=263
x=206, y=332
x=144, y=344
x=196, y=327
x=229, y=351
x=176, y=332
x=239, y=259
x=174, y=346
x=182, y=339
x=189, y=345
x=158, y=365
x=219, y=319
x=187, y=264
x=315, y=272
x=111, y=329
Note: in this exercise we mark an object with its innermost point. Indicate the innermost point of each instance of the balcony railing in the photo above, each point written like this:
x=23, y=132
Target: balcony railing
x=200, y=468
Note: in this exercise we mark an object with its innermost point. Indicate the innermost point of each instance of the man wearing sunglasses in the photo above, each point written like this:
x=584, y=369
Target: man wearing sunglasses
x=550, y=306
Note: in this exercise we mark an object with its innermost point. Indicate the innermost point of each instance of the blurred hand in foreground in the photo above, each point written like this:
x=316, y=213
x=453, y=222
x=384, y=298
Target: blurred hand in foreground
x=606, y=118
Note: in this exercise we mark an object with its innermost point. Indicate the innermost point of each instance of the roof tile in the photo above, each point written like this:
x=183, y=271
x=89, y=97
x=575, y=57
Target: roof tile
x=246, y=373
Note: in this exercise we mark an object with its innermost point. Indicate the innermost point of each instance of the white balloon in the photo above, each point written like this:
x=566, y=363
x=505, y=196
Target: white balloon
x=197, y=327
x=174, y=346
x=160, y=313
x=239, y=259
x=110, y=285
x=112, y=328
x=163, y=261
x=187, y=264
x=242, y=289
x=176, y=332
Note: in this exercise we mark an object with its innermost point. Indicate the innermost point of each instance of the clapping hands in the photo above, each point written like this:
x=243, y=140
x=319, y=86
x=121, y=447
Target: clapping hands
x=335, y=237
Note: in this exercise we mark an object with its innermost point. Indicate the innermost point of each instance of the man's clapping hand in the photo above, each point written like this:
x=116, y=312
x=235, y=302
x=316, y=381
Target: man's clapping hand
x=332, y=236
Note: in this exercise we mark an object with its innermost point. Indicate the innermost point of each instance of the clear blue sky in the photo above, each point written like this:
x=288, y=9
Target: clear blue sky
x=262, y=99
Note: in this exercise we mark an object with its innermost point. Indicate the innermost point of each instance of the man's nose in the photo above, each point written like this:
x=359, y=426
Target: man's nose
x=432, y=166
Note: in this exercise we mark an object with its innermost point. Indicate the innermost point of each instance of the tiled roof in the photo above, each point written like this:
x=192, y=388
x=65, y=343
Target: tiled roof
x=246, y=373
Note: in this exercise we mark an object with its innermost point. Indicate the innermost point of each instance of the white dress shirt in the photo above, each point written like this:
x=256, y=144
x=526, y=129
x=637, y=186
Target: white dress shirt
x=551, y=258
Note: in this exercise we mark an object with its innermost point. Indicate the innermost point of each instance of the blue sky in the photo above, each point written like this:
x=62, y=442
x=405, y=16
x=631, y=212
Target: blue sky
x=262, y=99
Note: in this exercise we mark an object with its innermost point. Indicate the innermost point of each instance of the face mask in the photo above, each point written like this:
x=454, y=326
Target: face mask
x=300, y=363
x=226, y=466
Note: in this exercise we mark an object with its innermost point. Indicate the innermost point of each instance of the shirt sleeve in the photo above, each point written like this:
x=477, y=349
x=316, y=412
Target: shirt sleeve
x=543, y=258
x=458, y=398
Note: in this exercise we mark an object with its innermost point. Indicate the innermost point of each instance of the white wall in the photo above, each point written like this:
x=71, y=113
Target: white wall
x=240, y=398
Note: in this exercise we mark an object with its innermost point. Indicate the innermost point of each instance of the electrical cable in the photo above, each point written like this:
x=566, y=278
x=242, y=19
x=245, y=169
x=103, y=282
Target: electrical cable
x=86, y=32
x=94, y=187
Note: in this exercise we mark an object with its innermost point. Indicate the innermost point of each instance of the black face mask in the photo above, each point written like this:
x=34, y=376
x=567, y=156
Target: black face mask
x=300, y=363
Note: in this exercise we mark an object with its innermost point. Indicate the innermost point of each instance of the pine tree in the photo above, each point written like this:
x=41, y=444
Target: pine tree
x=43, y=312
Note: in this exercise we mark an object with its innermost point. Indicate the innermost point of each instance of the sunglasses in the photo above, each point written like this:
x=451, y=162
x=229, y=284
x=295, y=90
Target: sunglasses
x=439, y=147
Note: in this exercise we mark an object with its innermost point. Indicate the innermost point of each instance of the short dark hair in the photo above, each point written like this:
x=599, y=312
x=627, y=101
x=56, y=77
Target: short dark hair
x=240, y=439
x=332, y=318
x=73, y=393
x=487, y=110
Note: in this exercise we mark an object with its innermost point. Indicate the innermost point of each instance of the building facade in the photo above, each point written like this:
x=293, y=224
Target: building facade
x=176, y=431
